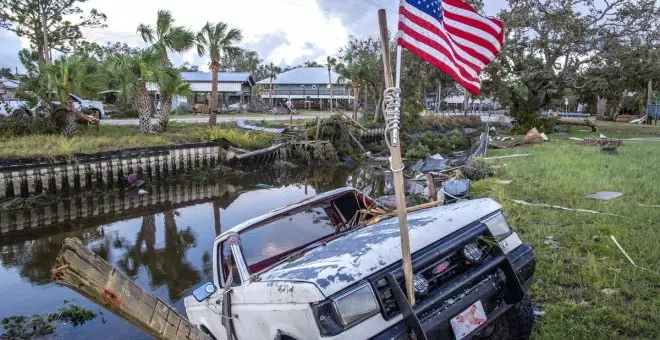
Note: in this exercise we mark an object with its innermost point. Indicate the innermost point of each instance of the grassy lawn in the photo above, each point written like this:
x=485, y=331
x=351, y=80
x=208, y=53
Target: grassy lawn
x=110, y=137
x=249, y=115
x=583, y=281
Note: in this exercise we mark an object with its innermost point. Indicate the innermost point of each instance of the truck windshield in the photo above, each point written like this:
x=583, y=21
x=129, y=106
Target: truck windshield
x=270, y=243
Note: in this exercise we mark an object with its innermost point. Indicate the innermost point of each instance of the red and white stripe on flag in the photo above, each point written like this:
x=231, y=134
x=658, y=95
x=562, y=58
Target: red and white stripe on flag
x=452, y=36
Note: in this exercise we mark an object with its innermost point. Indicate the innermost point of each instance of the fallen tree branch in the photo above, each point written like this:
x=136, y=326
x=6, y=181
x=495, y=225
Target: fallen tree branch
x=565, y=209
x=510, y=156
x=586, y=123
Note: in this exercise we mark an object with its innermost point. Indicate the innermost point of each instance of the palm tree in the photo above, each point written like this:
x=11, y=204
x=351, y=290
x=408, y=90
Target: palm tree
x=65, y=76
x=166, y=37
x=216, y=40
x=135, y=71
x=355, y=72
x=332, y=62
x=273, y=72
x=170, y=84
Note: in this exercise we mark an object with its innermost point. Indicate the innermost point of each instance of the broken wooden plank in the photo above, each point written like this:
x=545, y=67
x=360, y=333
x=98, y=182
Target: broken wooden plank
x=80, y=269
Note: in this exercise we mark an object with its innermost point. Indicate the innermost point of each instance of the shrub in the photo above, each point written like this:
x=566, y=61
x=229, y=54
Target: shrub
x=24, y=124
x=238, y=137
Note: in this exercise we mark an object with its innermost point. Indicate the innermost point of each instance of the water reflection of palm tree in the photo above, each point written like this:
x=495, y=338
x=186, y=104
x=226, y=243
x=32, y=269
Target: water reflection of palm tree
x=166, y=266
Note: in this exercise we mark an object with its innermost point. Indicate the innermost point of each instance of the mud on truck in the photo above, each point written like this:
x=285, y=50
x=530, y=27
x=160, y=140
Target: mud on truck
x=338, y=275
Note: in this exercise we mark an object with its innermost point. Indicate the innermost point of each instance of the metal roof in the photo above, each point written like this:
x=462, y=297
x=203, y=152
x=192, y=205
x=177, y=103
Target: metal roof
x=227, y=77
x=305, y=75
x=9, y=84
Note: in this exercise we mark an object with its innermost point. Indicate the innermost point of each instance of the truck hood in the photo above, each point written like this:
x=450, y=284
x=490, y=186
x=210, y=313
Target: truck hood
x=353, y=257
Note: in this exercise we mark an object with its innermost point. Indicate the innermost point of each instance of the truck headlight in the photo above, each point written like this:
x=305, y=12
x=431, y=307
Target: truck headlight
x=498, y=226
x=345, y=309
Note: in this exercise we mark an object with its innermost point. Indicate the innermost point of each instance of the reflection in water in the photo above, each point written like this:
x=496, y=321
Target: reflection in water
x=166, y=266
x=164, y=247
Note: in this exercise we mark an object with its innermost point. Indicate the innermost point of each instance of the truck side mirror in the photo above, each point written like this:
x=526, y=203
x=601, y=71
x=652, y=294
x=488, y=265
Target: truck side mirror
x=204, y=291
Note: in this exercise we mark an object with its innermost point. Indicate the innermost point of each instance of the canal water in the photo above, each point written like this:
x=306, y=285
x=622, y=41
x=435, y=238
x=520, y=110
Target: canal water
x=165, y=248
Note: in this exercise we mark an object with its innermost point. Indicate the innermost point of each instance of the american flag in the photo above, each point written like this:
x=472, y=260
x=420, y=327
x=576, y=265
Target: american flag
x=452, y=36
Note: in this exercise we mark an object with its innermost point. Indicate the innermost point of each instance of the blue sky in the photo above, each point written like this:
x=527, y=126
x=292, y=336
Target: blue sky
x=285, y=32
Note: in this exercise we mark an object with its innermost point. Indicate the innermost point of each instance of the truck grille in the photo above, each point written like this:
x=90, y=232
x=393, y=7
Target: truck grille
x=438, y=273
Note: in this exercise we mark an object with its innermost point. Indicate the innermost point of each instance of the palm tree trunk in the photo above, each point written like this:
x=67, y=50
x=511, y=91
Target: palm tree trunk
x=165, y=111
x=332, y=92
x=270, y=92
x=356, y=98
x=70, y=126
x=214, y=94
x=144, y=107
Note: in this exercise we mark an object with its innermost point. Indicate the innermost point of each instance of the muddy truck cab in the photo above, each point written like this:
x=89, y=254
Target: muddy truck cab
x=329, y=267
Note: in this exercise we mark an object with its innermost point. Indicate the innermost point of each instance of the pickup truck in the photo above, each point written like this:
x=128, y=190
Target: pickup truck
x=21, y=106
x=339, y=275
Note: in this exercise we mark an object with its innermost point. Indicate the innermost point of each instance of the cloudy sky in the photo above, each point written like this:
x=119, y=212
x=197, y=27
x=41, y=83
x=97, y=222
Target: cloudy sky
x=285, y=32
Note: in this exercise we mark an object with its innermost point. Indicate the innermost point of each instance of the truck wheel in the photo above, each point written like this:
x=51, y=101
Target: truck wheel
x=516, y=324
x=207, y=332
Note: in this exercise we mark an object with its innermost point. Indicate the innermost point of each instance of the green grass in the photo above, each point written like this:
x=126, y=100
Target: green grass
x=570, y=280
x=247, y=115
x=109, y=138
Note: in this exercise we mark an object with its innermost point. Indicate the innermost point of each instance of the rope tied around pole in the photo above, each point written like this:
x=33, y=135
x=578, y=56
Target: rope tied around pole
x=392, y=110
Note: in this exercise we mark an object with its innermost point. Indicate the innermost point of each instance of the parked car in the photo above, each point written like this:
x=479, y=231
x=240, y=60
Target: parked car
x=92, y=107
x=336, y=276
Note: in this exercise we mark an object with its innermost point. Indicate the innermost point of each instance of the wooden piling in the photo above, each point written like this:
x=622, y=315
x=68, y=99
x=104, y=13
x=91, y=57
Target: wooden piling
x=80, y=269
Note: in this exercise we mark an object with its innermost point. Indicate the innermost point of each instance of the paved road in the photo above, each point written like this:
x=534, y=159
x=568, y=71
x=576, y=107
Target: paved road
x=204, y=120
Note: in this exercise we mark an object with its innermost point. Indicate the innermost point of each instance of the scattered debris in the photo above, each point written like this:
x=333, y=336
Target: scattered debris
x=605, y=195
x=639, y=120
x=648, y=205
x=602, y=136
x=432, y=163
x=623, y=251
x=533, y=135
x=243, y=125
x=456, y=190
x=576, y=138
x=503, y=182
x=544, y=137
x=510, y=156
x=608, y=291
x=564, y=208
x=552, y=243
x=142, y=192
x=595, y=238
x=478, y=169
x=608, y=142
x=539, y=313
x=389, y=202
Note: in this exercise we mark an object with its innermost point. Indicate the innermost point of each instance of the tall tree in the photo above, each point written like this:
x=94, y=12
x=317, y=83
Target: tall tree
x=273, y=71
x=217, y=40
x=166, y=37
x=551, y=42
x=170, y=84
x=241, y=61
x=331, y=63
x=135, y=71
x=53, y=24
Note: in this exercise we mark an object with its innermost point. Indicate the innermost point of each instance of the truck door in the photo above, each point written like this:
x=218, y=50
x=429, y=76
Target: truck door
x=226, y=278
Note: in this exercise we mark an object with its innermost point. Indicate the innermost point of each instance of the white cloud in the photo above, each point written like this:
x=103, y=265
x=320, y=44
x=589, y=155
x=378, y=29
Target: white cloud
x=301, y=22
x=284, y=32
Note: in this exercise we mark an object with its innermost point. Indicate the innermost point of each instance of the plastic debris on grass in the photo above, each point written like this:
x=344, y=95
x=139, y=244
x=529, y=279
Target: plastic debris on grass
x=605, y=195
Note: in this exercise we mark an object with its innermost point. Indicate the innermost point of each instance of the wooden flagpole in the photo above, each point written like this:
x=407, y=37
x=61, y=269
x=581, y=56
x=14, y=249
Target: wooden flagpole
x=395, y=161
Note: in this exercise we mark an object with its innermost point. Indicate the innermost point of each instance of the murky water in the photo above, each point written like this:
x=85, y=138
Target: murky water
x=166, y=248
